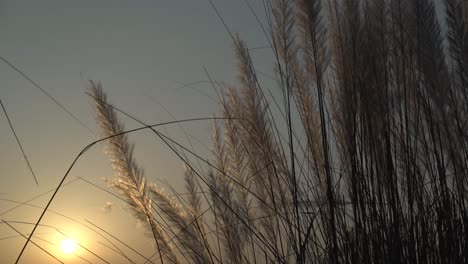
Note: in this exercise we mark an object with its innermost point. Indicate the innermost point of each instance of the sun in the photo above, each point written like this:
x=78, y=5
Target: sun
x=68, y=246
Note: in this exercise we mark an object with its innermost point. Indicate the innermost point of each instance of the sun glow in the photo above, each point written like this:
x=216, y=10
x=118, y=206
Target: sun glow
x=68, y=246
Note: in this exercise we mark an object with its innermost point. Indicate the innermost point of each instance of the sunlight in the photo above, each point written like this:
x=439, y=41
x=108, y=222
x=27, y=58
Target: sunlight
x=68, y=246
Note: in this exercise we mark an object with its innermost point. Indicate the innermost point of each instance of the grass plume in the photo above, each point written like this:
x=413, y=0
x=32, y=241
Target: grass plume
x=362, y=161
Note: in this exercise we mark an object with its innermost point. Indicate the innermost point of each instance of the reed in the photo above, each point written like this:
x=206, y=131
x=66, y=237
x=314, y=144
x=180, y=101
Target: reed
x=366, y=162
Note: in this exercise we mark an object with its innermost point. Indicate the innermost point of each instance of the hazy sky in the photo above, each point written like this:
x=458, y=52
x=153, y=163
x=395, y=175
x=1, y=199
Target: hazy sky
x=143, y=52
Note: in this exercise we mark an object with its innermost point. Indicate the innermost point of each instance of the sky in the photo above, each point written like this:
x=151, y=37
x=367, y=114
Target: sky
x=144, y=53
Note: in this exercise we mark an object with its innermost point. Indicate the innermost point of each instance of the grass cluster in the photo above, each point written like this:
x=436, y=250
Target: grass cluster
x=363, y=159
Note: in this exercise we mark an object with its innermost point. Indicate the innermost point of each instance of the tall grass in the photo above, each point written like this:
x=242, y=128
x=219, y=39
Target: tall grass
x=363, y=159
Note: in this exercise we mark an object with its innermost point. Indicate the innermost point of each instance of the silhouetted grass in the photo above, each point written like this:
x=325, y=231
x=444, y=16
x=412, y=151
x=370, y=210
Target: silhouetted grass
x=366, y=162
